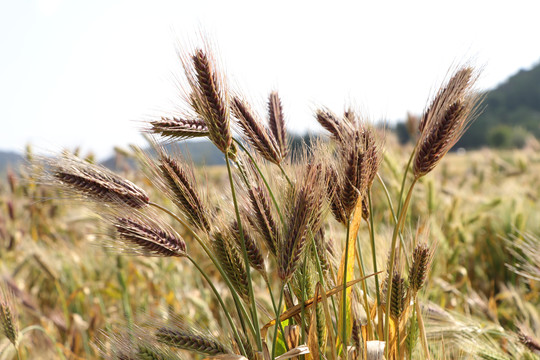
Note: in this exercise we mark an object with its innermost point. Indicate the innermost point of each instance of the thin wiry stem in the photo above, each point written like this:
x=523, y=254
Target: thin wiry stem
x=321, y=277
x=397, y=229
x=275, y=310
x=344, y=295
x=364, y=284
x=263, y=178
x=285, y=174
x=391, y=205
x=246, y=259
x=240, y=308
x=422, y=329
x=374, y=256
x=46, y=333
x=220, y=300
x=302, y=303
x=278, y=315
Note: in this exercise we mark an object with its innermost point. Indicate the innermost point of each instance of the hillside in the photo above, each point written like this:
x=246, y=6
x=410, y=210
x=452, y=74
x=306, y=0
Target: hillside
x=9, y=158
x=509, y=111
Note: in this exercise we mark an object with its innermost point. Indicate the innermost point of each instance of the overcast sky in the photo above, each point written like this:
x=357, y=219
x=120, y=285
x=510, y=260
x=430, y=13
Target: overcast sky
x=76, y=73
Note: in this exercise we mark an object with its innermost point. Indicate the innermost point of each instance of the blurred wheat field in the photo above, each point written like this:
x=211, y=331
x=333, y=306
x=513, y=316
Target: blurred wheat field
x=348, y=246
x=480, y=205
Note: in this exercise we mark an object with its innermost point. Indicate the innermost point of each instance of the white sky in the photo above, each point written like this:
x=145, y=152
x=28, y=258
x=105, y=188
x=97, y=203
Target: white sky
x=76, y=73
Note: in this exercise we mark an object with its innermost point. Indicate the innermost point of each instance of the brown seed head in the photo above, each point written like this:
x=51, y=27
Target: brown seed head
x=186, y=340
x=260, y=215
x=357, y=171
x=148, y=238
x=138, y=344
x=421, y=262
x=255, y=133
x=331, y=123
x=277, y=122
x=304, y=214
x=445, y=121
x=399, y=290
x=179, y=128
x=457, y=88
x=96, y=182
x=180, y=185
x=373, y=152
x=529, y=342
x=255, y=257
x=231, y=260
x=209, y=98
x=333, y=193
x=357, y=335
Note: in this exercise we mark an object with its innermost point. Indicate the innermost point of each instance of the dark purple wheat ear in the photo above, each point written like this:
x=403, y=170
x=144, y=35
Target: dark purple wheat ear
x=96, y=183
x=445, y=120
x=277, y=122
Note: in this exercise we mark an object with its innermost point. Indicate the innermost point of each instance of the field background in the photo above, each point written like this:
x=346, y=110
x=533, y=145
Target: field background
x=476, y=204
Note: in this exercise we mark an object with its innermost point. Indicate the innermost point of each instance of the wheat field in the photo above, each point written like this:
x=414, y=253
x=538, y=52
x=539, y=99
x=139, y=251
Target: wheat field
x=363, y=248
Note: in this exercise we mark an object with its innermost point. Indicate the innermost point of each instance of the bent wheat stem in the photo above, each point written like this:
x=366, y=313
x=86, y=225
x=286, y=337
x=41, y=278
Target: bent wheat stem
x=239, y=306
x=46, y=333
x=220, y=300
x=275, y=309
x=285, y=174
x=391, y=205
x=263, y=178
x=397, y=229
x=278, y=315
x=254, y=315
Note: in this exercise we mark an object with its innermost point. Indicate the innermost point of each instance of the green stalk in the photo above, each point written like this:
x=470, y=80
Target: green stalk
x=391, y=205
x=404, y=179
x=275, y=310
x=302, y=304
x=125, y=295
x=364, y=284
x=397, y=229
x=374, y=257
x=246, y=259
x=264, y=180
x=220, y=300
x=344, y=296
x=242, y=314
x=285, y=174
x=53, y=340
x=321, y=278
x=278, y=314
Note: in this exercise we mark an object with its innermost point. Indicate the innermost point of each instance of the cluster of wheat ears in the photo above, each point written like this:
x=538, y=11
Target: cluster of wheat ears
x=321, y=304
